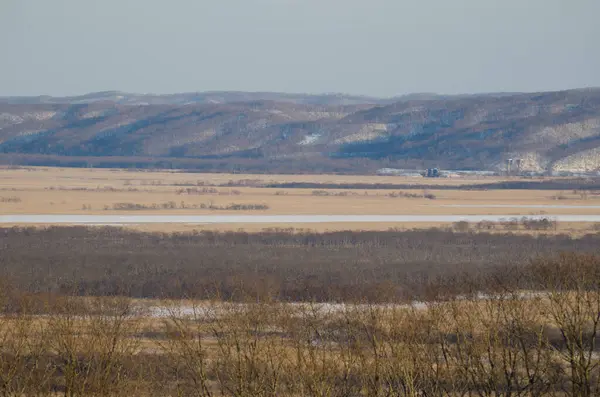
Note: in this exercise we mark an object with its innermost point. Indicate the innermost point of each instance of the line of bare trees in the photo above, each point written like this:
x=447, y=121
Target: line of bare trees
x=513, y=342
x=282, y=265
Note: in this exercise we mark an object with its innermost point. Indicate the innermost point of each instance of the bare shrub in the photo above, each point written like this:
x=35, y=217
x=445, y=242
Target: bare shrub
x=560, y=196
x=573, y=282
x=510, y=224
x=23, y=356
x=187, y=353
x=461, y=226
x=92, y=344
x=251, y=359
x=240, y=207
x=172, y=205
x=10, y=199
x=129, y=207
x=538, y=224
x=198, y=191
x=244, y=182
x=429, y=196
x=486, y=225
x=96, y=189
x=538, y=338
x=404, y=195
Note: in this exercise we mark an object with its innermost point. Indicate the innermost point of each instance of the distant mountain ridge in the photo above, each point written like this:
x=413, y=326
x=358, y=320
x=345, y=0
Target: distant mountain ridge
x=269, y=132
x=212, y=97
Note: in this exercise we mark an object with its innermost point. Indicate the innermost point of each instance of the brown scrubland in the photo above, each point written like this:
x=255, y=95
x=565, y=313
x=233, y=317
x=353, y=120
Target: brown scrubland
x=111, y=312
x=462, y=309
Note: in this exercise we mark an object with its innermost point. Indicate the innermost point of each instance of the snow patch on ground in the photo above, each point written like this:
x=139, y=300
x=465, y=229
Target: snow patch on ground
x=211, y=310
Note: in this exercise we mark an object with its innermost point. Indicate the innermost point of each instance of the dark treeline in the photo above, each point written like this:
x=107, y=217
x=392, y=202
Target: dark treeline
x=337, y=266
x=553, y=184
x=501, y=315
x=375, y=186
x=201, y=165
x=512, y=343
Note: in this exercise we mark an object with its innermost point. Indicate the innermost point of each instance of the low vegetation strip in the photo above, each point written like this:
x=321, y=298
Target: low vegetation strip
x=363, y=186
x=551, y=184
x=348, y=266
x=506, y=343
x=172, y=205
x=326, y=193
x=10, y=199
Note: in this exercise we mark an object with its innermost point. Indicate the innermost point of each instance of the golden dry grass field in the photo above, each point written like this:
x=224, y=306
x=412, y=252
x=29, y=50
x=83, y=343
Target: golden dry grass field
x=146, y=347
x=99, y=191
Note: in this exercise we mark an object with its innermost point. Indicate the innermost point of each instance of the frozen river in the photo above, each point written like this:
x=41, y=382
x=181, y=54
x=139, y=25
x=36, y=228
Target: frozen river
x=272, y=219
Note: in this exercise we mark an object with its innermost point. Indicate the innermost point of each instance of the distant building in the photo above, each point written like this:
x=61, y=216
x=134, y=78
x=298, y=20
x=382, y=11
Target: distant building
x=519, y=163
x=432, y=173
x=514, y=166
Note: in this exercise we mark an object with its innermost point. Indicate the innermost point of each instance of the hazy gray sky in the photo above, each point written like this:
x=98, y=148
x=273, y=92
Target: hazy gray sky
x=374, y=47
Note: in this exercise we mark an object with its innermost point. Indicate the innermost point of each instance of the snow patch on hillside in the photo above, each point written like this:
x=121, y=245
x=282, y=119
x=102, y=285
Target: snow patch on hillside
x=585, y=161
x=97, y=114
x=565, y=133
x=531, y=162
x=310, y=139
x=12, y=119
x=368, y=132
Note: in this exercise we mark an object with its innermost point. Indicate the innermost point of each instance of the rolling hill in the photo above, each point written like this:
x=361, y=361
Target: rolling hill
x=269, y=132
